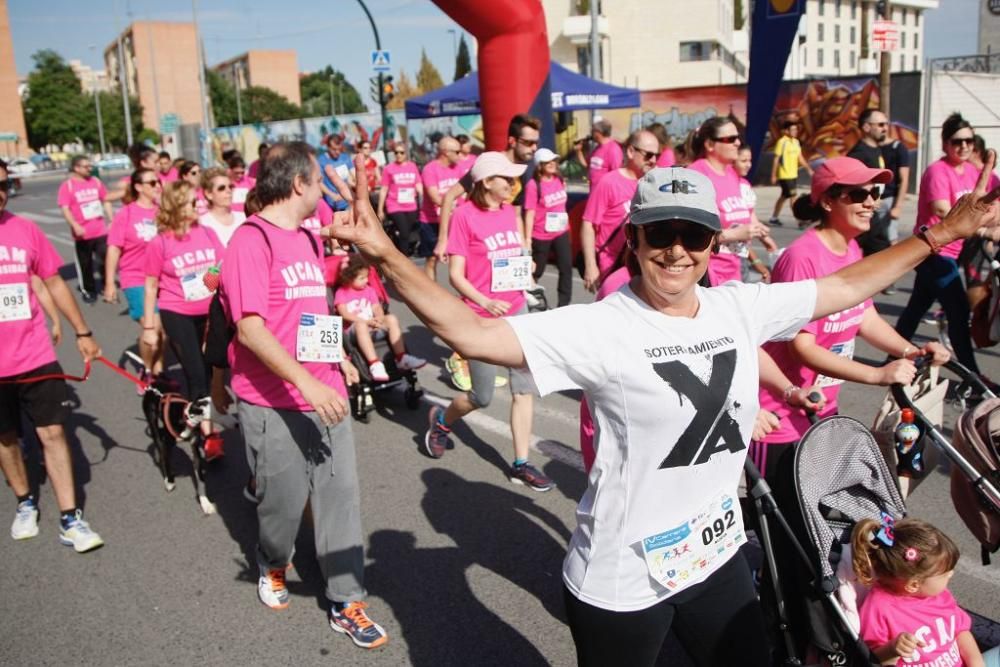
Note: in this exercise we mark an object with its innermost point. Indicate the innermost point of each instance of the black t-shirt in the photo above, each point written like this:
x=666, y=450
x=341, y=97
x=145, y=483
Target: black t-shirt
x=870, y=155
x=896, y=155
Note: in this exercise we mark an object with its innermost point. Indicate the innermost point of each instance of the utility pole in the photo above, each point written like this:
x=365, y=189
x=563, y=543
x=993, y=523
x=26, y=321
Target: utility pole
x=333, y=111
x=595, y=51
x=123, y=81
x=239, y=103
x=97, y=105
x=885, y=71
x=381, y=89
x=156, y=86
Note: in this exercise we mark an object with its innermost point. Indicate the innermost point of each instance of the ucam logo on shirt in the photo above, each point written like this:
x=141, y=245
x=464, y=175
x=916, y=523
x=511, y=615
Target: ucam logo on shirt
x=303, y=279
x=195, y=259
x=17, y=256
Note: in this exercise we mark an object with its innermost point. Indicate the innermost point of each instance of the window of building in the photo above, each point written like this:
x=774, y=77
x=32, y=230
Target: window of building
x=916, y=40
x=836, y=34
x=902, y=39
x=902, y=62
x=854, y=35
x=694, y=51
x=821, y=7
x=819, y=57
x=853, y=64
x=836, y=8
x=905, y=13
x=916, y=18
x=854, y=9
x=836, y=59
x=819, y=32
x=805, y=57
x=916, y=63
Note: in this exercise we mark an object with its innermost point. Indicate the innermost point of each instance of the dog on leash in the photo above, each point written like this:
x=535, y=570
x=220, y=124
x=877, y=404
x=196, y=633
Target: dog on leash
x=172, y=420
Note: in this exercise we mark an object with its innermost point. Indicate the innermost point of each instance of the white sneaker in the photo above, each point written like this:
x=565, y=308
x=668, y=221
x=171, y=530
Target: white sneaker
x=378, y=372
x=25, y=524
x=79, y=535
x=271, y=588
x=408, y=362
x=531, y=299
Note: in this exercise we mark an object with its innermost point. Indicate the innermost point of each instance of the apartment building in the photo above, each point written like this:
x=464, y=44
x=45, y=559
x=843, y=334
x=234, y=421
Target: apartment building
x=91, y=80
x=13, y=133
x=277, y=70
x=989, y=26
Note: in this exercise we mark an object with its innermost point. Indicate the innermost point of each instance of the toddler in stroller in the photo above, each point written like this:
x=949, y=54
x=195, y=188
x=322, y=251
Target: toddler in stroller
x=373, y=337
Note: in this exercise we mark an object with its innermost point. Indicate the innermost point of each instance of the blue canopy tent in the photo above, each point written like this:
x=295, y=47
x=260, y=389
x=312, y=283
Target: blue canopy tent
x=570, y=92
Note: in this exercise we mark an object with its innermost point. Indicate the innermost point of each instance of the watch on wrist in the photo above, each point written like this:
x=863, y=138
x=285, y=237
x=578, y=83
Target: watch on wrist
x=928, y=237
x=85, y=334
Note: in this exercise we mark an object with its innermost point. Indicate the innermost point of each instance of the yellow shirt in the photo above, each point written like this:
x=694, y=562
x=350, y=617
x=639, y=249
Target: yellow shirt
x=787, y=152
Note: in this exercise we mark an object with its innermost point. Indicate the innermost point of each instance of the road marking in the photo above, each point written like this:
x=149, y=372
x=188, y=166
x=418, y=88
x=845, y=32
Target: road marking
x=46, y=219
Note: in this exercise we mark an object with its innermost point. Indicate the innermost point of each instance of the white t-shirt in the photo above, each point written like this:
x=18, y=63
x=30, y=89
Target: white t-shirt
x=651, y=379
x=224, y=232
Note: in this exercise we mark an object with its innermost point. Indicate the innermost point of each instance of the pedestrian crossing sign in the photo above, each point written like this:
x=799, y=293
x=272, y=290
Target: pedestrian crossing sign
x=381, y=61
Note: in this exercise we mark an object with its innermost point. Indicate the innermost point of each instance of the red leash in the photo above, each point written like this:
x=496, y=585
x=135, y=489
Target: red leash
x=80, y=378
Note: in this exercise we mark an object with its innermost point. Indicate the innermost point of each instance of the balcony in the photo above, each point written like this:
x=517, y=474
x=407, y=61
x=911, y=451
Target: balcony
x=577, y=29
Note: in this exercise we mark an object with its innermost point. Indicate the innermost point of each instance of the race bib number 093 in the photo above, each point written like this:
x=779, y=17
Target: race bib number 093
x=14, y=304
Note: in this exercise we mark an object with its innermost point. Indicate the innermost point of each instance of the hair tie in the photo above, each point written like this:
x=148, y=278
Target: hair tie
x=911, y=555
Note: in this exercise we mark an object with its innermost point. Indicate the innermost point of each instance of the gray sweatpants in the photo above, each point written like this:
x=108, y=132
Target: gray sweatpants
x=295, y=458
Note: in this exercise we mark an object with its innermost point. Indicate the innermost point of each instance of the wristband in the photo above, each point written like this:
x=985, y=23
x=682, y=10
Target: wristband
x=787, y=394
x=930, y=239
x=85, y=334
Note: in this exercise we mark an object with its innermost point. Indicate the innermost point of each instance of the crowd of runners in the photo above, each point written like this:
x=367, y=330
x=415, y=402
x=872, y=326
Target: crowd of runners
x=667, y=244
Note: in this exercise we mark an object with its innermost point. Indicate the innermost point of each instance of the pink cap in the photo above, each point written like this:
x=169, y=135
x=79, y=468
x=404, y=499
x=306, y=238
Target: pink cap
x=493, y=163
x=844, y=171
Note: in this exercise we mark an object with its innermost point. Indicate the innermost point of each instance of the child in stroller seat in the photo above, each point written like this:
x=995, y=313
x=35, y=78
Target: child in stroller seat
x=358, y=303
x=909, y=616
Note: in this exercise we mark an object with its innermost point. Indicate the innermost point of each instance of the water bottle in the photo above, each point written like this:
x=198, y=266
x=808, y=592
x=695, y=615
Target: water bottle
x=909, y=446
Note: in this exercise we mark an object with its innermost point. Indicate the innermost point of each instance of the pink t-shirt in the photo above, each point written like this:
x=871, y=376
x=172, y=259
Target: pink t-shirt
x=465, y=164
x=605, y=159
x=240, y=190
x=401, y=181
x=132, y=228
x=936, y=621
x=280, y=284
x=168, y=177
x=724, y=265
x=667, y=158
x=321, y=217
x=808, y=257
x=200, y=203
x=480, y=237
x=359, y=302
x=85, y=198
x=180, y=264
x=607, y=206
x=25, y=343
x=550, y=200
x=441, y=177
x=941, y=180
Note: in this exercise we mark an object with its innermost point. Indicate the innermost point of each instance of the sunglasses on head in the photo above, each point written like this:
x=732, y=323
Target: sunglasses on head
x=728, y=139
x=648, y=156
x=957, y=143
x=666, y=234
x=861, y=195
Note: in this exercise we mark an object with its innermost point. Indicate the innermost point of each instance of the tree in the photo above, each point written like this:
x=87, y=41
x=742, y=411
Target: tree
x=463, y=62
x=258, y=104
x=428, y=77
x=315, y=92
x=404, y=91
x=113, y=119
x=54, y=103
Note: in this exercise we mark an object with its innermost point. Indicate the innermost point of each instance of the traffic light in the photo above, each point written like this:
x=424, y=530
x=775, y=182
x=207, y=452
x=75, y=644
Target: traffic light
x=375, y=89
x=388, y=89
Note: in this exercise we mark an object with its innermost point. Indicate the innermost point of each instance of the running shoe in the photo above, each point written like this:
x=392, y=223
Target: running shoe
x=378, y=372
x=78, y=534
x=408, y=362
x=460, y=376
x=933, y=317
x=531, y=299
x=88, y=297
x=213, y=447
x=775, y=222
x=436, y=440
x=500, y=381
x=271, y=588
x=451, y=363
x=25, y=524
x=529, y=476
x=353, y=621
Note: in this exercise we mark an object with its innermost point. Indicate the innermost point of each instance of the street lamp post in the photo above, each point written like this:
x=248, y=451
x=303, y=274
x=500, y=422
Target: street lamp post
x=239, y=103
x=381, y=81
x=97, y=106
x=333, y=111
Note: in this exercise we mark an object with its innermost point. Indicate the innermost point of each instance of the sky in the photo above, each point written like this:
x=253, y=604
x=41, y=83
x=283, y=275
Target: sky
x=324, y=32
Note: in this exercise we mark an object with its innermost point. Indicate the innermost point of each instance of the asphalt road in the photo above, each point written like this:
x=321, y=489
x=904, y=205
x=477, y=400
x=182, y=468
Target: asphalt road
x=462, y=566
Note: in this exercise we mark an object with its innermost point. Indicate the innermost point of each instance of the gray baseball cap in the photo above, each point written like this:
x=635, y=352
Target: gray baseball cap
x=675, y=193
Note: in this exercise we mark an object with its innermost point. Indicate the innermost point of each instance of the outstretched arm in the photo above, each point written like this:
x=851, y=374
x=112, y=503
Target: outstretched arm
x=474, y=337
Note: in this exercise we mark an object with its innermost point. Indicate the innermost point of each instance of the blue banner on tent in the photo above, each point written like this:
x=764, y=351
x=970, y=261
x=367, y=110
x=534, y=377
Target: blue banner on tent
x=775, y=23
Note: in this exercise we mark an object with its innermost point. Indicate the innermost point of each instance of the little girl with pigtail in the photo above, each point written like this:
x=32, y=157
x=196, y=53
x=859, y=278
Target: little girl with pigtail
x=909, y=617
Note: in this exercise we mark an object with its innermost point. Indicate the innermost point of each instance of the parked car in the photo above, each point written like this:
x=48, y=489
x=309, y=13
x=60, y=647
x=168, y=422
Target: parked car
x=113, y=161
x=21, y=167
x=42, y=162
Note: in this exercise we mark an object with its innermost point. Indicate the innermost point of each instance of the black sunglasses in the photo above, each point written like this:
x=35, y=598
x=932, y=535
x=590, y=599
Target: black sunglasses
x=957, y=143
x=692, y=236
x=729, y=139
x=223, y=188
x=528, y=142
x=860, y=195
x=156, y=182
x=400, y=152
x=648, y=156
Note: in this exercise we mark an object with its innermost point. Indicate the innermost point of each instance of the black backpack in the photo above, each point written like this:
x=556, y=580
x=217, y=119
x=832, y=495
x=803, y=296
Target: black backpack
x=220, y=330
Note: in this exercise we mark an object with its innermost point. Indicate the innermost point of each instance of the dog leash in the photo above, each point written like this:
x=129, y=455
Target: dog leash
x=87, y=366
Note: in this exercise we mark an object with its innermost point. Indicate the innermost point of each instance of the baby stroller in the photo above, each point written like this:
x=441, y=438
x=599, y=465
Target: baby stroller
x=362, y=394
x=836, y=477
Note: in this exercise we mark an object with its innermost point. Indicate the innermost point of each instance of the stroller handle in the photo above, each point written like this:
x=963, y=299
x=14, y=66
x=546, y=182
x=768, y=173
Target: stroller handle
x=814, y=397
x=967, y=377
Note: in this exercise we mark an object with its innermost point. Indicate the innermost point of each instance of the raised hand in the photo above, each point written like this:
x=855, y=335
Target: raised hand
x=976, y=209
x=362, y=227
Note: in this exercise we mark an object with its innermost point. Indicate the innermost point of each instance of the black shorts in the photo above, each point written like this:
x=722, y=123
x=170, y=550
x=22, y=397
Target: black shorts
x=428, y=238
x=788, y=186
x=46, y=403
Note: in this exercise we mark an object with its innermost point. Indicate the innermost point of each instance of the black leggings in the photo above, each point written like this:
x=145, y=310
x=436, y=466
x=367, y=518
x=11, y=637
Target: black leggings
x=718, y=621
x=185, y=333
x=564, y=260
x=938, y=279
x=404, y=235
x=86, y=252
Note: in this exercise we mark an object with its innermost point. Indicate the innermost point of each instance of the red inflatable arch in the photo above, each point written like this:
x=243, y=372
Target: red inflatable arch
x=513, y=60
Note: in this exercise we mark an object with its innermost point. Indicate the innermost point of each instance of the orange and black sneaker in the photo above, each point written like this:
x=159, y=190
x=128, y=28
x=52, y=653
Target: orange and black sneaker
x=271, y=588
x=352, y=620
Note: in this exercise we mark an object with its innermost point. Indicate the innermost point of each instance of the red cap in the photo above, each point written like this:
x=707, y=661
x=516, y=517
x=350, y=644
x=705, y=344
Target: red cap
x=844, y=171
